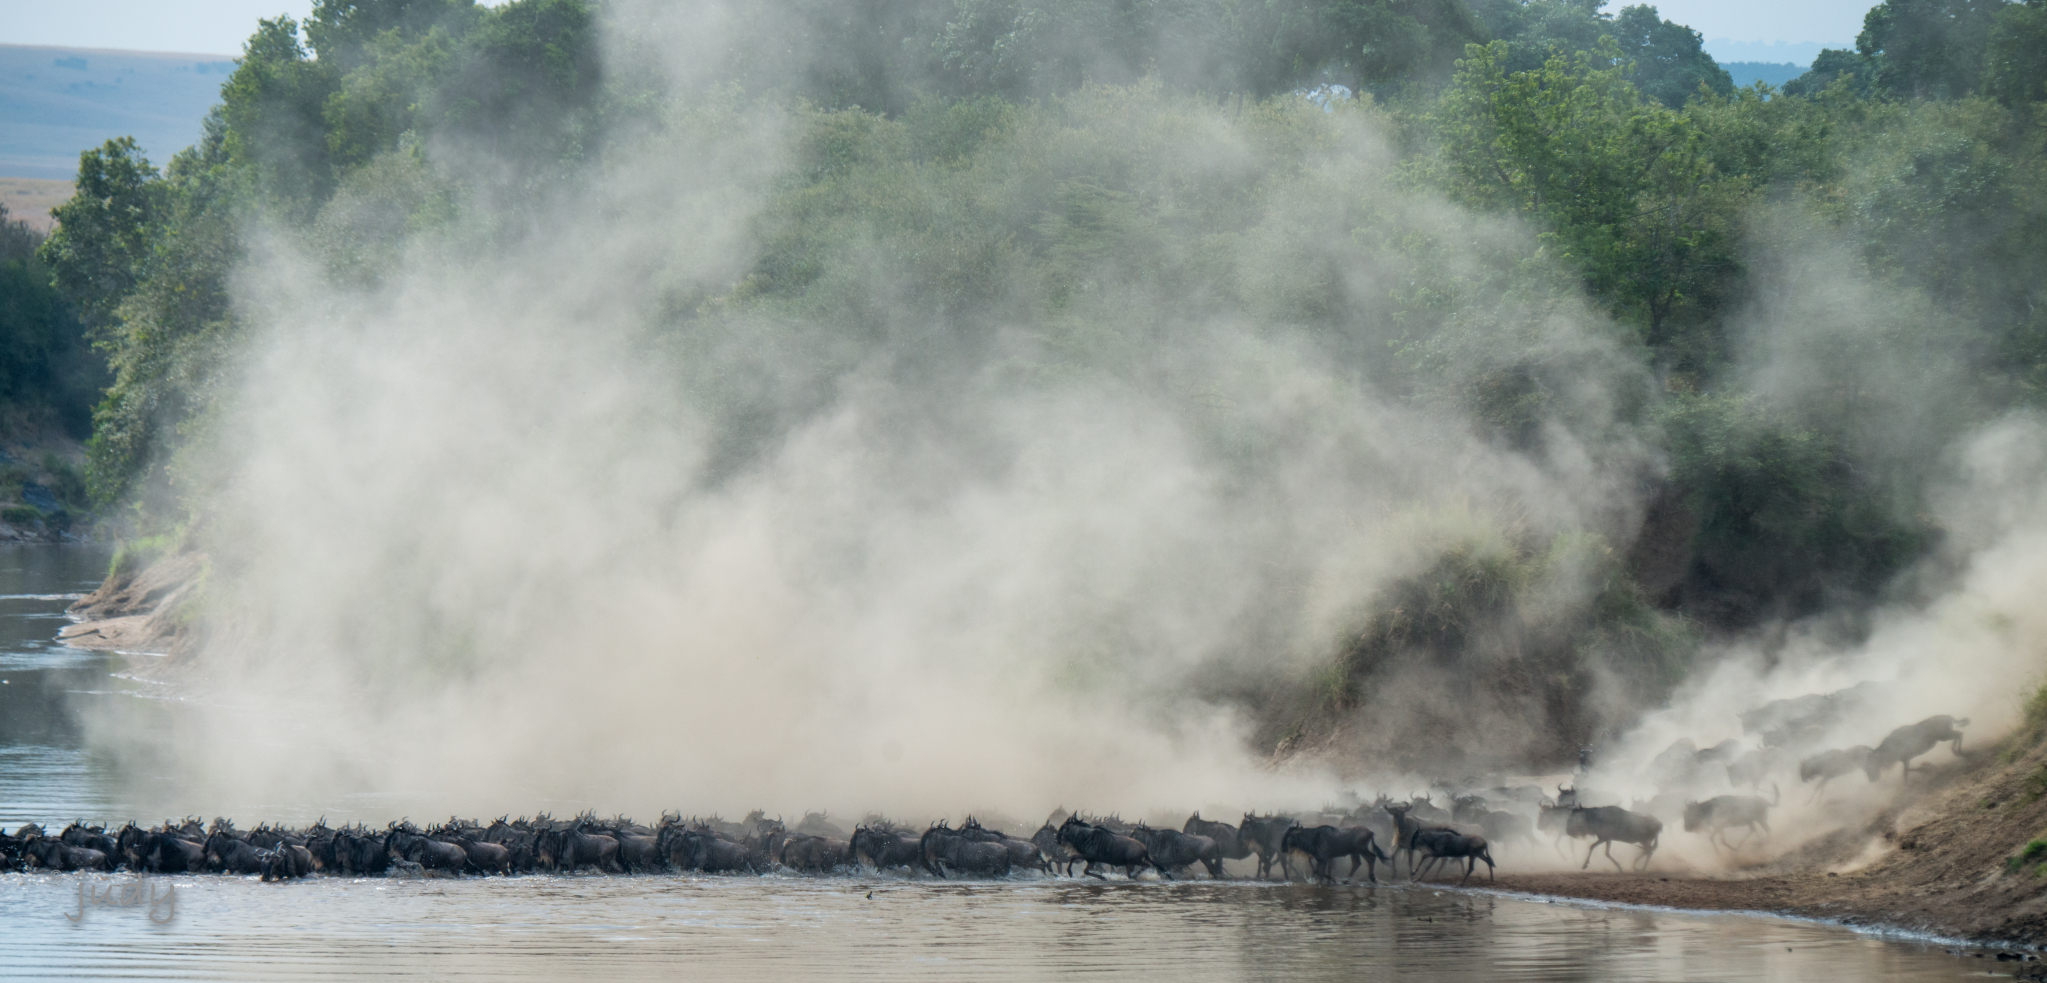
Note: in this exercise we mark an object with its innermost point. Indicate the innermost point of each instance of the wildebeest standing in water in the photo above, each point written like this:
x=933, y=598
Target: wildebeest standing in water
x=1608, y=824
x=1264, y=836
x=1721, y=813
x=1324, y=844
x=1911, y=741
x=1099, y=845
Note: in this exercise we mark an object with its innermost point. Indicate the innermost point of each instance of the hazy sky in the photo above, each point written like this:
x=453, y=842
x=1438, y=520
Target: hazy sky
x=220, y=26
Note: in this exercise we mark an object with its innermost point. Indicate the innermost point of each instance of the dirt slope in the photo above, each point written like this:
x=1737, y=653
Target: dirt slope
x=1941, y=865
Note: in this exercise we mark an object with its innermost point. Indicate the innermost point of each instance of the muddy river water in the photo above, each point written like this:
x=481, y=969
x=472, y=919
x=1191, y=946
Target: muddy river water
x=775, y=927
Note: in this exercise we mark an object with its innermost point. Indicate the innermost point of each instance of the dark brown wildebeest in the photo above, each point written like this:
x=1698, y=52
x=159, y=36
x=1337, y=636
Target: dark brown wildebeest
x=1829, y=765
x=1324, y=844
x=226, y=852
x=1100, y=845
x=883, y=845
x=1229, y=841
x=1910, y=741
x=1439, y=844
x=1022, y=852
x=564, y=850
x=1056, y=852
x=813, y=853
x=1721, y=813
x=944, y=847
x=701, y=848
x=1263, y=835
x=1179, y=851
x=1608, y=824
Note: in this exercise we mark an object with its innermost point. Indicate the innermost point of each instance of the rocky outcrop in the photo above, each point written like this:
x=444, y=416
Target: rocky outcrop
x=140, y=610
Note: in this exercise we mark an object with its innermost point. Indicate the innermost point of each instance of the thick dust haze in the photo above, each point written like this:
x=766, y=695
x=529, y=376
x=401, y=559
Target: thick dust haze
x=544, y=513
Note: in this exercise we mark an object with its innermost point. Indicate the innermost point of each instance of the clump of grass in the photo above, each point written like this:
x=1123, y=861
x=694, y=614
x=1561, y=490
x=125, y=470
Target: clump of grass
x=2030, y=854
x=138, y=553
x=21, y=515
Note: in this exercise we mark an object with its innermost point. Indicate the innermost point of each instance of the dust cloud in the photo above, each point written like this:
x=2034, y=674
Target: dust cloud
x=544, y=514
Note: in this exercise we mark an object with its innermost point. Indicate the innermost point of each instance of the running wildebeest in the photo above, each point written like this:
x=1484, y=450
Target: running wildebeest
x=568, y=849
x=1229, y=841
x=1608, y=824
x=1910, y=741
x=882, y=846
x=1179, y=851
x=1100, y=845
x=1055, y=851
x=1264, y=836
x=700, y=848
x=1441, y=844
x=1022, y=852
x=1721, y=813
x=1829, y=765
x=1324, y=844
x=945, y=847
x=815, y=853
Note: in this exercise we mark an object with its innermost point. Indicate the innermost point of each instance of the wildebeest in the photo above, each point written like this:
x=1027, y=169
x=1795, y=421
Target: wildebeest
x=568, y=849
x=700, y=848
x=1229, y=841
x=815, y=853
x=403, y=842
x=224, y=851
x=882, y=846
x=1055, y=851
x=1829, y=765
x=1721, y=813
x=944, y=847
x=55, y=854
x=1175, y=850
x=1324, y=844
x=1610, y=824
x=1100, y=845
x=1440, y=844
x=1910, y=741
x=1022, y=852
x=1264, y=836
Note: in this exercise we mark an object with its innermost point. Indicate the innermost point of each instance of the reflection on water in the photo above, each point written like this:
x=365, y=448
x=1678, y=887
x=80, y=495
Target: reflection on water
x=775, y=928
x=45, y=768
x=770, y=928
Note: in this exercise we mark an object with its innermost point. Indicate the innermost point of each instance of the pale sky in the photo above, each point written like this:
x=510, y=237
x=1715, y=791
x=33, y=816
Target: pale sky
x=220, y=26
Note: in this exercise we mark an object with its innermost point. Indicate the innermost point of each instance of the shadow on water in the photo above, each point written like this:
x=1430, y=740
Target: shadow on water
x=771, y=928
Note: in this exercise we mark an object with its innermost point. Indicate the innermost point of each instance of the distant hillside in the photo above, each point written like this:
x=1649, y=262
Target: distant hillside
x=1775, y=73
x=30, y=200
x=55, y=102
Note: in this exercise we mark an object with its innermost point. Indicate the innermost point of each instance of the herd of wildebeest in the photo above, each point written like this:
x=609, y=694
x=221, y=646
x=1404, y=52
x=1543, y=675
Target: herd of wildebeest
x=1429, y=838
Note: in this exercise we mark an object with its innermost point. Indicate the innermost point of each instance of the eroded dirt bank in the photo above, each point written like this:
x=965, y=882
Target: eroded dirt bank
x=1939, y=863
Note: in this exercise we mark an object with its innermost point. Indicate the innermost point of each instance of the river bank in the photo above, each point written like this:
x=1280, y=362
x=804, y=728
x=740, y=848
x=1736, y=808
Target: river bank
x=1941, y=863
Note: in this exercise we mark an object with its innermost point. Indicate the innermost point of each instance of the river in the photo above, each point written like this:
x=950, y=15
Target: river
x=775, y=927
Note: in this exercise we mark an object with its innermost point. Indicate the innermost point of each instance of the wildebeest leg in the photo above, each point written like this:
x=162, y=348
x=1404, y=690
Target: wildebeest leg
x=1470, y=864
x=1089, y=871
x=1609, y=856
x=1588, y=855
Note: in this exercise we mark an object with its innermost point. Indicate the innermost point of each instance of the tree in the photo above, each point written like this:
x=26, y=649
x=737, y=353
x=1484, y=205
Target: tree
x=1832, y=64
x=1670, y=60
x=101, y=246
x=1928, y=49
x=2015, y=64
x=1627, y=189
